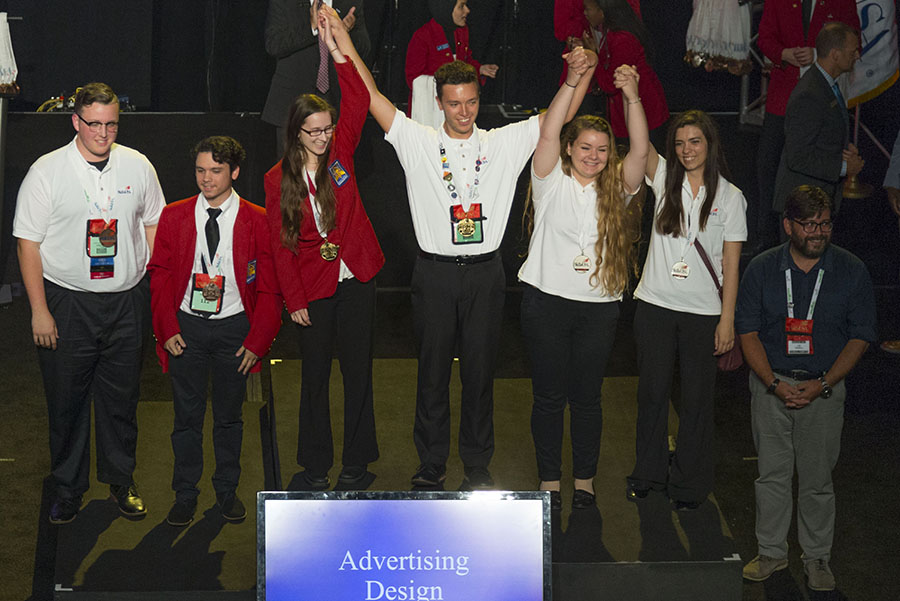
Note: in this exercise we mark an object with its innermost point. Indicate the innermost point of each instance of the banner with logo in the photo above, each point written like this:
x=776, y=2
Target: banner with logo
x=878, y=66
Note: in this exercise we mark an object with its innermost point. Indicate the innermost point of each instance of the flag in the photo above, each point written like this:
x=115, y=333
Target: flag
x=878, y=66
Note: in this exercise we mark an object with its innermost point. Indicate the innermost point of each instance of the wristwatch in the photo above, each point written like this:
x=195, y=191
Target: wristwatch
x=826, y=389
x=773, y=386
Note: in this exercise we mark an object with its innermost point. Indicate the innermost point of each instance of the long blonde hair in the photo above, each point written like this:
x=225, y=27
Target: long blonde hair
x=618, y=225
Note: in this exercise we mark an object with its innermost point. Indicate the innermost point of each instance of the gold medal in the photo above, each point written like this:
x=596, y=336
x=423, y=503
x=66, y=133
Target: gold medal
x=108, y=237
x=329, y=250
x=466, y=228
x=211, y=292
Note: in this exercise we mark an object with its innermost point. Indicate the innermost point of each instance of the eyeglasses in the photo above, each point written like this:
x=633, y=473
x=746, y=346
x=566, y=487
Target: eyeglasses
x=96, y=126
x=811, y=226
x=315, y=133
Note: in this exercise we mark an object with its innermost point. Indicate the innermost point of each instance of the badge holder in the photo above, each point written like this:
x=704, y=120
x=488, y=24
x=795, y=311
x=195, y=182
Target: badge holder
x=101, y=247
x=798, y=333
x=466, y=227
x=207, y=293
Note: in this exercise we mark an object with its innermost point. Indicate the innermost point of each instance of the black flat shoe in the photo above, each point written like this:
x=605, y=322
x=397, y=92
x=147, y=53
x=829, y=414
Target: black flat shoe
x=353, y=474
x=583, y=499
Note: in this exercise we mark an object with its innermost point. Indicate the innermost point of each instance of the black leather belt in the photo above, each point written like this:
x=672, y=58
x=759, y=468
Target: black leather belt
x=799, y=374
x=458, y=259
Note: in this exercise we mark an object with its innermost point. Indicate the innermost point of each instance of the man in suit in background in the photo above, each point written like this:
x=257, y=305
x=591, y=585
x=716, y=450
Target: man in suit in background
x=303, y=65
x=817, y=127
x=787, y=34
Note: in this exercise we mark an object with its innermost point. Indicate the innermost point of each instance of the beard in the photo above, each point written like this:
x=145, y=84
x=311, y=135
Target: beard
x=811, y=246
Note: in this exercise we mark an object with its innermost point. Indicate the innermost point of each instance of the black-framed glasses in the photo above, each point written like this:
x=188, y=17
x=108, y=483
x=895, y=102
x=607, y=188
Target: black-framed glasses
x=811, y=226
x=315, y=133
x=96, y=126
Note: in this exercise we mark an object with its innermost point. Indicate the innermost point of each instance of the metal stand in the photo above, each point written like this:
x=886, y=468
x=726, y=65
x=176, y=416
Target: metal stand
x=753, y=112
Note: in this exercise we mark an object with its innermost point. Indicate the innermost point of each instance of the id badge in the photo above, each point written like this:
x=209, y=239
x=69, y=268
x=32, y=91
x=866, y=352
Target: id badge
x=102, y=268
x=799, y=344
x=102, y=238
x=207, y=293
x=466, y=227
x=799, y=336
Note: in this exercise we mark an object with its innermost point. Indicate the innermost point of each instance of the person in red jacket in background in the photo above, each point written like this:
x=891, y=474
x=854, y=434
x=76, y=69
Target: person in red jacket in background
x=216, y=310
x=431, y=47
x=787, y=36
x=569, y=22
x=326, y=257
x=619, y=38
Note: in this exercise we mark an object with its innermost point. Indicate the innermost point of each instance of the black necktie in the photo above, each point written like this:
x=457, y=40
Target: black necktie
x=212, y=232
x=807, y=6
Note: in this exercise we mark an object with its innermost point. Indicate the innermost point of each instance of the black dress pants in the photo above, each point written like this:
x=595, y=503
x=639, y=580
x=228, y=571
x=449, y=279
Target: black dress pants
x=347, y=317
x=662, y=335
x=210, y=347
x=569, y=343
x=98, y=355
x=456, y=308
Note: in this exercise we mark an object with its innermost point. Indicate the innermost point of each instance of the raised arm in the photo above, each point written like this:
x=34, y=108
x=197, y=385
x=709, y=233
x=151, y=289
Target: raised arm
x=585, y=62
x=547, y=152
x=380, y=107
x=635, y=163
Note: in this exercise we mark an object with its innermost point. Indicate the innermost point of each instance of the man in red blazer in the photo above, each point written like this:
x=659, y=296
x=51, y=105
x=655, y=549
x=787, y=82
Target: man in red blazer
x=787, y=36
x=216, y=309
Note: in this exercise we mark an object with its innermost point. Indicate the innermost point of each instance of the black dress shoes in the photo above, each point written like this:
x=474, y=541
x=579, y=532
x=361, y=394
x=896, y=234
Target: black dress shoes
x=182, y=513
x=352, y=474
x=64, y=510
x=128, y=499
x=429, y=474
x=231, y=506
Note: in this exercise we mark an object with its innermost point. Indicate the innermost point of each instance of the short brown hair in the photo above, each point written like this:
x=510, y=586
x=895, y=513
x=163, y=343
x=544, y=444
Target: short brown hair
x=832, y=37
x=454, y=74
x=223, y=150
x=806, y=201
x=93, y=92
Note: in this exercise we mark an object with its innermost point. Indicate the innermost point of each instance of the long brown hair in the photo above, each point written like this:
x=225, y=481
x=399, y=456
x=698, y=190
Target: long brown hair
x=618, y=225
x=671, y=217
x=294, y=189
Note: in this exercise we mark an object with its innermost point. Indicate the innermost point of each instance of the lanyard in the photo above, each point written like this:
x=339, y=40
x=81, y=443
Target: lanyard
x=94, y=206
x=582, y=219
x=790, y=293
x=447, y=178
x=315, y=207
x=693, y=231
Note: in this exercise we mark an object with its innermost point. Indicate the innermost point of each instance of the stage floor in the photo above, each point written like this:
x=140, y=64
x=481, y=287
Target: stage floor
x=104, y=552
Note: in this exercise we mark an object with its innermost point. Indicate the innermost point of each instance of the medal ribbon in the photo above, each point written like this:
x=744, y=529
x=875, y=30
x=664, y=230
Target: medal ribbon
x=315, y=208
x=790, y=293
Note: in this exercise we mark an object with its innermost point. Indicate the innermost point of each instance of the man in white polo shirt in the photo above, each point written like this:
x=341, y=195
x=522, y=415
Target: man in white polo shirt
x=85, y=221
x=460, y=181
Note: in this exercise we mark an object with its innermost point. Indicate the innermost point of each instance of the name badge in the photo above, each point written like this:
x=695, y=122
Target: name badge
x=251, y=271
x=101, y=238
x=207, y=293
x=681, y=270
x=799, y=336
